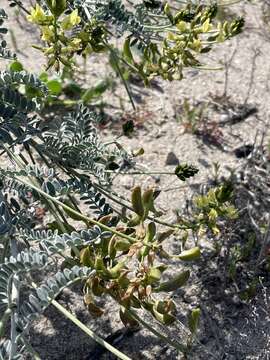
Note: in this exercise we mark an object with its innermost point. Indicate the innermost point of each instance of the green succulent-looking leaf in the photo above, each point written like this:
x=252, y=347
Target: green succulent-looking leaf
x=175, y=283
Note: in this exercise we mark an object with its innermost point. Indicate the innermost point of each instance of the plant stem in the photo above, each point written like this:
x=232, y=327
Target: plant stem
x=115, y=58
x=120, y=202
x=140, y=172
x=71, y=210
x=4, y=320
x=176, y=345
x=89, y=332
x=30, y=349
x=34, y=181
x=20, y=5
x=5, y=249
x=14, y=299
x=123, y=202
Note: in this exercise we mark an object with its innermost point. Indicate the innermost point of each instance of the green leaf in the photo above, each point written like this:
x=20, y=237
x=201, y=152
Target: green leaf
x=54, y=86
x=43, y=76
x=95, y=92
x=16, y=66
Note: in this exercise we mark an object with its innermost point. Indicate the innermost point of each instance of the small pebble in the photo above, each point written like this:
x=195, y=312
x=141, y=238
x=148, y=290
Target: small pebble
x=172, y=159
x=243, y=151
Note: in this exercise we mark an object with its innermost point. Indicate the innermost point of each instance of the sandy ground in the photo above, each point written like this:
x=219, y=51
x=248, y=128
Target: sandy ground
x=228, y=330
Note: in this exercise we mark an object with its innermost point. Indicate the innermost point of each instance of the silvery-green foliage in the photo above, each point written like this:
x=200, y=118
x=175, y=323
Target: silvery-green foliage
x=77, y=146
x=5, y=53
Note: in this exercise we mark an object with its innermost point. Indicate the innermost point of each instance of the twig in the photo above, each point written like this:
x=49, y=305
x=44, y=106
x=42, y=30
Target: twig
x=253, y=69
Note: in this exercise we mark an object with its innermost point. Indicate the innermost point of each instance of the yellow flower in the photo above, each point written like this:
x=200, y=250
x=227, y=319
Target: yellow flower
x=37, y=15
x=182, y=26
x=213, y=215
x=47, y=34
x=71, y=20
x=75, y=44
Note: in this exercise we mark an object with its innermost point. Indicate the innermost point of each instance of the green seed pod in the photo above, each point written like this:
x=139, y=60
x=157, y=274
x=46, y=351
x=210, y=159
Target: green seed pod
x=164, y=235
x=100, y=267
x=115, y=271
x=136, y=200
x=175, y=283
x=165, y=319
x=190, y=255
x=150, y=233
x=57, y=7
x=165, y=306
x=122, y=244
x=193, y=320
x=111, y=247
x=134, y=221
x=127, y=51
x=153, y=275
x=144, y=251
x=147, y=200
x=85, y=257
x=123, y=280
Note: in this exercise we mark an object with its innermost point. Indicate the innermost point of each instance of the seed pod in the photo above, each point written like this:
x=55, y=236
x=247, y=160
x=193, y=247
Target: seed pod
x=191, y=254
x=193, y=320
x=51, y=62
x=165, y=319
x=136, y=199
x=175, y=283
x=123, y=279
x=164, y=235
x=127, y=319
x=153, y=275
x=165, y=306
x=92, y=308
x=85, y=257
x=144, y=251
x=111, y=247
x=97, y=290
x=151, y=232
x=181, y=25
x=148, y=290
x=100, y=267
x=147, y=201
x=105, y=219
x=167, y=11
x=116, y=270
x=134, y=221
x=57, y=7
x=122, y=244
x=127, y=51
